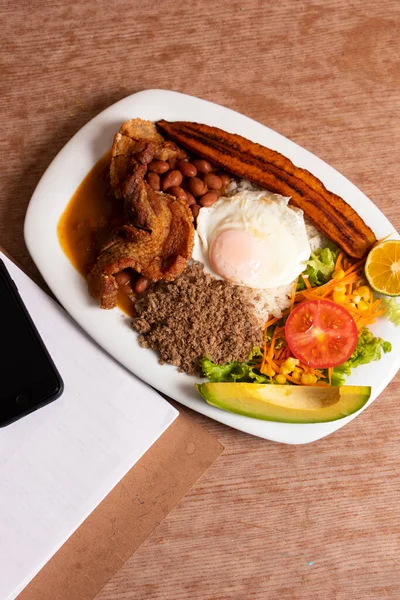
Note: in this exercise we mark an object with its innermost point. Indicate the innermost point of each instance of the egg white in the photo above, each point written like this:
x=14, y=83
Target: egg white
x=279, y=230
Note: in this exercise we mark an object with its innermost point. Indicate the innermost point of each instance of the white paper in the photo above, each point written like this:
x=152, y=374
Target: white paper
x=58, y=463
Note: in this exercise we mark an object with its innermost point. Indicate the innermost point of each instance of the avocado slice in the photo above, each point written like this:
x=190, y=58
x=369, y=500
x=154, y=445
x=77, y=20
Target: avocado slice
x=286, y=403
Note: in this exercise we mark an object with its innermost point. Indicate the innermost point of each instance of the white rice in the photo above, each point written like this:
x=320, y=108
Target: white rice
x=270, y=301
x=274, y=301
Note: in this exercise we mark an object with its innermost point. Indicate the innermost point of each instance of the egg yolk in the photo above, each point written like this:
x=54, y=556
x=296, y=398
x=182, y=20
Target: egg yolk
x=236, y=255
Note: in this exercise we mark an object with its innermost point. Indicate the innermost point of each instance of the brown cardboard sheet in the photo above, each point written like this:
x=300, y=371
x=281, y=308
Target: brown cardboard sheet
x=128, y=515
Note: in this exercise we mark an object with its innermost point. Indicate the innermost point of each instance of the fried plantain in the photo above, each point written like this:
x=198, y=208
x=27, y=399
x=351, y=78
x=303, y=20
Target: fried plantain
x=273, y=171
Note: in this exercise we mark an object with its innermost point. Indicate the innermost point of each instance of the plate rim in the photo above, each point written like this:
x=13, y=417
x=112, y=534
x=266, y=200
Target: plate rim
x=306, y=432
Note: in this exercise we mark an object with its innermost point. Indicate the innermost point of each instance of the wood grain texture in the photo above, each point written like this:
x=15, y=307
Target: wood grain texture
x=267, y=521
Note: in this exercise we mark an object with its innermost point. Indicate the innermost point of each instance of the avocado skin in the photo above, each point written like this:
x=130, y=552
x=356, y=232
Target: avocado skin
x=244, y=399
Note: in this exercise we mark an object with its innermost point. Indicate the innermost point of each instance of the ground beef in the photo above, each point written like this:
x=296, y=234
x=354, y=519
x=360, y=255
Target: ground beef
x=196, y=316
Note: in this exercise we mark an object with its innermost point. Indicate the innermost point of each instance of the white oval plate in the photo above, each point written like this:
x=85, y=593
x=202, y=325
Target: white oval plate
x=111, y=328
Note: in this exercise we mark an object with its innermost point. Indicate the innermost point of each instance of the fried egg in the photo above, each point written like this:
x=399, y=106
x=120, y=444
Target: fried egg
x=252, y=239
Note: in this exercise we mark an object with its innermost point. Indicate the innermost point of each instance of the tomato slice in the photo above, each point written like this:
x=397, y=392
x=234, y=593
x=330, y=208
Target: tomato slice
x=321, y=333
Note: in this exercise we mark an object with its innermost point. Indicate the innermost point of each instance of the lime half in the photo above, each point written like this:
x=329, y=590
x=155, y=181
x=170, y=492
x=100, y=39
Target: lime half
x=382, y=268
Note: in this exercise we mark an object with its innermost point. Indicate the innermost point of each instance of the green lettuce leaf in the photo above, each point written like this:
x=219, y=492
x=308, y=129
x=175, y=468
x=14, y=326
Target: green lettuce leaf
x=392, y=310
x=235, y=370
x=320, y=266
x=368, y=349
x=255, y=355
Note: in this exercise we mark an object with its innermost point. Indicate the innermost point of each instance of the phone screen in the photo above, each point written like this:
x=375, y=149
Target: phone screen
x=28, y=376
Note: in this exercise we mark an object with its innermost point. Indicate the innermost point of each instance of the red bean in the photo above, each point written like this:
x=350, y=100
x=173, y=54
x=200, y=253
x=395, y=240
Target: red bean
x=153, y=179
x=158, y=166
x=203, y=166
x=177, y=191
x=196, y=186
x=141, y=285
x=195, y=208
x=209, y=199
x=172, y=162
x=123, y=277
x=173, y=178
x=225, y=178
x=190, y=199
x=212, y=181
x=186, y=168
x=126, y=289
x=182, y=154
x=124, y=281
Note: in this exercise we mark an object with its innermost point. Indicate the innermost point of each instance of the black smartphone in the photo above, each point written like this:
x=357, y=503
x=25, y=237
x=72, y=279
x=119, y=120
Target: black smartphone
x=28, y=377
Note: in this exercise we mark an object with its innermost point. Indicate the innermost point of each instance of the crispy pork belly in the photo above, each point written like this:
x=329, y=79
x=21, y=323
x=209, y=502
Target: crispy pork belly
x=136, y=142
x=156, y=240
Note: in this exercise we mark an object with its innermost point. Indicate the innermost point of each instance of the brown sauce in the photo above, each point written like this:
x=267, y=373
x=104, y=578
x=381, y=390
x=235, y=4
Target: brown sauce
x=84, y=226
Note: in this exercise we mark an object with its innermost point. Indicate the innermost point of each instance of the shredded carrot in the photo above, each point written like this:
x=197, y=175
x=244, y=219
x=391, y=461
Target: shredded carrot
x=338, y=261
x=268, y=354
x=330, y=372
x=322, y=290
x=272, y=345
x=383, y=239
x=369, y=319
x=319, y=374
x=289, y=378
x=352, y=310
x=306, y=281
x=376, y=303
x=272, y=363
x=355, y=267
x=270, y=322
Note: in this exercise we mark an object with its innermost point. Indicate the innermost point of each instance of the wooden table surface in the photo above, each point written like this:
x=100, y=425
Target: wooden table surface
x=267, y=521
